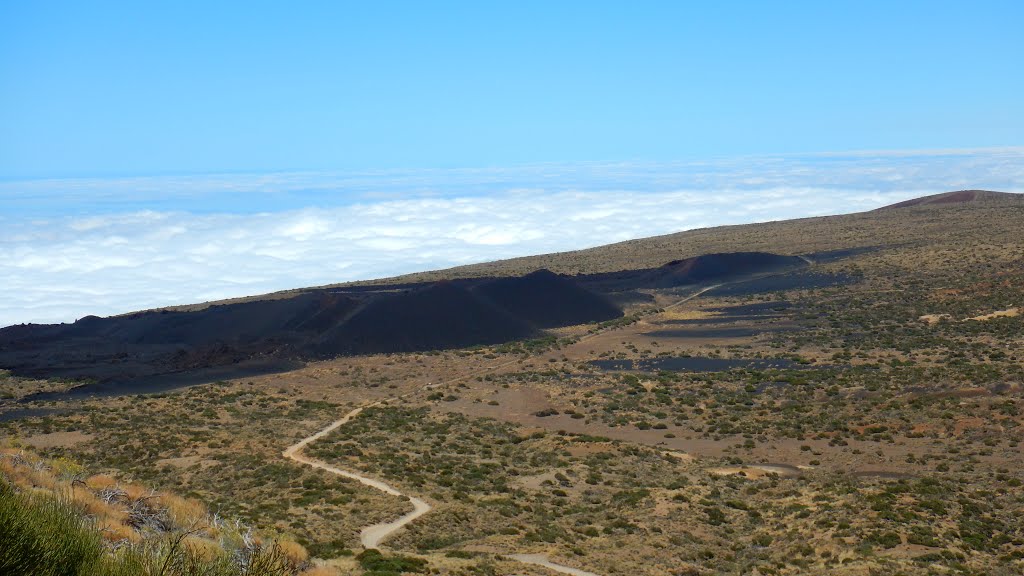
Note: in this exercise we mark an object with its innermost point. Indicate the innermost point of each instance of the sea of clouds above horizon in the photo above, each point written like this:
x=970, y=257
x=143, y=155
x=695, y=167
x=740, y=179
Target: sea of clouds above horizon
x=102, y=246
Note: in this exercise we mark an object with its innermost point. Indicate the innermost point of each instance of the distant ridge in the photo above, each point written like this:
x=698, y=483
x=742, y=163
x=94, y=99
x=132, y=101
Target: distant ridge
x=957, y=197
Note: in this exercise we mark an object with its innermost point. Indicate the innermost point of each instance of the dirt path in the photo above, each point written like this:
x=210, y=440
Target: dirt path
x=373, y=536
x=692, y=296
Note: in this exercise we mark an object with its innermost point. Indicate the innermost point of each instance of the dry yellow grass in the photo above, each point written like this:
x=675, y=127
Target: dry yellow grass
x=679, y=314
x=1008, y=313
x=57, y=478
x=92, y=505
x=135, y=491
x=294, y=551
x=100, y=481
x=204, y=548
x=183, y=512
x=115, y=530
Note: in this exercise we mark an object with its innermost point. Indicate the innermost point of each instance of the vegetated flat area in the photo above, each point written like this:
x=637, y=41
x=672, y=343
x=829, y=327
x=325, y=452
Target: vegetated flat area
x=861, y=414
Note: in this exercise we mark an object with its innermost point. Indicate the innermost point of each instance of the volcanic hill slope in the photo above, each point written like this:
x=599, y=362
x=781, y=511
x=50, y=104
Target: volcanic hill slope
x=958, y=197
x=271, y=335
x=501, y=301
x=840, y=395
x=441, y=315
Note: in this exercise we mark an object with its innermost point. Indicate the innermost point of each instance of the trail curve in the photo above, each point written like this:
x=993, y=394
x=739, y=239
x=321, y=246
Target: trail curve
x=372, y=536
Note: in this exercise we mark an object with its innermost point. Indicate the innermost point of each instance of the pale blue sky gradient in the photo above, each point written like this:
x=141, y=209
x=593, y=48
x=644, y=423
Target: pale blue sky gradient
x=156, y=153
x=130, y=88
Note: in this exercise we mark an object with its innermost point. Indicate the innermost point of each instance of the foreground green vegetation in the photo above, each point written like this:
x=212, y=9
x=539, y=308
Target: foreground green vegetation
x=45, y=535
x=54, y=523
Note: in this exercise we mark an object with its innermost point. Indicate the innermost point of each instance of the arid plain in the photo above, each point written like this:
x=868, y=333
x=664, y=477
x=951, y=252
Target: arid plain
x=854, y=404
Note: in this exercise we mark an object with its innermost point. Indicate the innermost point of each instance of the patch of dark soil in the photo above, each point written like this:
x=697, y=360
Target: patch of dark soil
x=781, y=283
x=718, y=320
x=547, y=300
x=694, y=364
x=629, y=298
x=769, y=308
x=699, y=269
x=836, y=255
x=22, y=413
x=167, y=382
x=729, y=332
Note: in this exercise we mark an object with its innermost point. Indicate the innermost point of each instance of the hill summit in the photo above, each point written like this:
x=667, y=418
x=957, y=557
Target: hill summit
x=956, y=197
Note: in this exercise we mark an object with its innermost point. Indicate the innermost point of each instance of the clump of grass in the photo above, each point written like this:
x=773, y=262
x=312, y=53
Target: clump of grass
x=54, y=524
x=377, y=564
x=45, y=536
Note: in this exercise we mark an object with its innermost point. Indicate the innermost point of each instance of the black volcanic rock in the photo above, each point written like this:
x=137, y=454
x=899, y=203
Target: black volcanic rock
x=547, y=300
x=439, y=316
x=239, y=323
x=134, y=346
x=259, y=335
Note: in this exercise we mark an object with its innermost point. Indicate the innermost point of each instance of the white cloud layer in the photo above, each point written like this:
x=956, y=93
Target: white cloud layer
x=55, y=269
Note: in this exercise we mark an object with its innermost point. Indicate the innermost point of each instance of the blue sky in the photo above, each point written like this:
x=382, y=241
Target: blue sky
x=128, y=88
x=166, y=153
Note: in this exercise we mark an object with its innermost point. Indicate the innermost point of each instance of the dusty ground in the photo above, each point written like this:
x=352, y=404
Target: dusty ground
x=888, y=444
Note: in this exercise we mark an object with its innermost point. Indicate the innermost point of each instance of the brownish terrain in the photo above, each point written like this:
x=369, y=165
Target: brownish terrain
x=836, y=395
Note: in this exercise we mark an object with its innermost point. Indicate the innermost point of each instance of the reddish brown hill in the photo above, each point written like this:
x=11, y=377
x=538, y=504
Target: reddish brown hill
x=546, y=300
x=957, y=197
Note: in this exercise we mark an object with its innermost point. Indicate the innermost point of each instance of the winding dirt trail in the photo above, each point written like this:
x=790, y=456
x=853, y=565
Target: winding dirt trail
x=371, y=537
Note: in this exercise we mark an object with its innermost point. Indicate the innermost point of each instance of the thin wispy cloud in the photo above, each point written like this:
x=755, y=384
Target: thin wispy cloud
x=264, y=233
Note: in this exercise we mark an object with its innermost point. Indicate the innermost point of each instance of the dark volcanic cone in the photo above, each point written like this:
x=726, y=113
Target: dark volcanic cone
x=437, y=317
x=547, y=300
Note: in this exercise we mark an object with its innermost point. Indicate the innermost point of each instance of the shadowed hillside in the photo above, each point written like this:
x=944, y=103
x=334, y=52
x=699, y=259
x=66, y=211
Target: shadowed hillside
x=166, y=348
x=696, y=270
x=547, y=300
x=483, y=304
x=719, y=267
x=439, y=316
